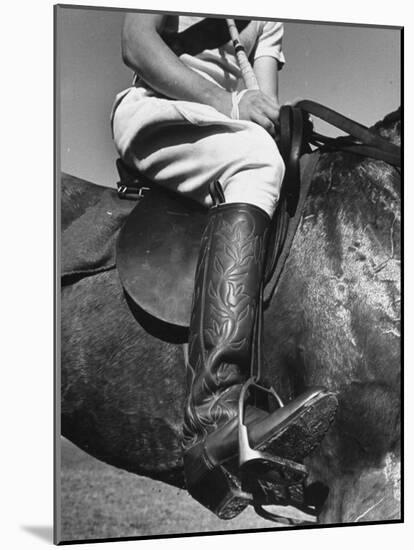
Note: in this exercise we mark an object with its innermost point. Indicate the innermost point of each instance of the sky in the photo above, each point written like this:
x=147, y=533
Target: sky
x=356, y=70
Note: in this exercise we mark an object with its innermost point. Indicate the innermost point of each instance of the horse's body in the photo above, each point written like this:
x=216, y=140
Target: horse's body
x=334, y=321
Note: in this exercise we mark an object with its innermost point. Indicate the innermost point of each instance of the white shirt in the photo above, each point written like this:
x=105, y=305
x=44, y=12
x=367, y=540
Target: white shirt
x=219, y=65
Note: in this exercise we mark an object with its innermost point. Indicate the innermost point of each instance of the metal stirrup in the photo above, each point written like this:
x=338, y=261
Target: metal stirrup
x=248, y=455
x=249, y=458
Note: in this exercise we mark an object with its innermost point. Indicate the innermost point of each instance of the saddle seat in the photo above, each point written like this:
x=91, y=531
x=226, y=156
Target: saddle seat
x=157, y=254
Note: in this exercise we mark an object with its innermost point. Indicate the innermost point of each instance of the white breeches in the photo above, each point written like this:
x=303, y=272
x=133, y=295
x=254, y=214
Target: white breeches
x=184, y=146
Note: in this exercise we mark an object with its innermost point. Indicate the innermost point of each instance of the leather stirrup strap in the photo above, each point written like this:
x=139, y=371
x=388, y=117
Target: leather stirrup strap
x=291, y=140
x=292, y=146
x=307, y=168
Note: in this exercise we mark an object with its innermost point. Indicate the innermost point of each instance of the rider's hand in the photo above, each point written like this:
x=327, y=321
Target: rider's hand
x=260, y=108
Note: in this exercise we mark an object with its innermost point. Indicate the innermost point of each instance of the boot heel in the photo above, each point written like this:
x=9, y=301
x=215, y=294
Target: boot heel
x=213, y=485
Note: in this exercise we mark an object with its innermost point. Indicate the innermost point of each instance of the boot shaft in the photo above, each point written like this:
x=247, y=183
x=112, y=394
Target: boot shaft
x=225, y=306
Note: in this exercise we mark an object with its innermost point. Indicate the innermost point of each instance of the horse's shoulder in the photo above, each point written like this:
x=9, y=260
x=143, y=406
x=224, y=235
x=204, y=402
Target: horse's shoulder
x=77, y=195
x=74, y=187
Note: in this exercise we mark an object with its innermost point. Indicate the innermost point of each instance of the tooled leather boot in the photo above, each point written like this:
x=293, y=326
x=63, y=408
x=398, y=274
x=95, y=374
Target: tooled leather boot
x=223, y=335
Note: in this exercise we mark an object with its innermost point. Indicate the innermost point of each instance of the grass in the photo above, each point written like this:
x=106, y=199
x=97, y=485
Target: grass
x=100, y=501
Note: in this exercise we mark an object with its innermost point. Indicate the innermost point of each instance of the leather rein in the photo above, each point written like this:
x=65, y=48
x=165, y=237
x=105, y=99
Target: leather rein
x=296, y=136
x=361, y=140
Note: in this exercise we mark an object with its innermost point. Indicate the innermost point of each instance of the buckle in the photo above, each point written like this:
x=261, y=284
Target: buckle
x=131, y=192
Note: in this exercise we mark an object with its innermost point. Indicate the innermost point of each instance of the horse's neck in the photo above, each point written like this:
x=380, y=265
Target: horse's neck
x=390, y=127
x=335, y=322
x=341, y=281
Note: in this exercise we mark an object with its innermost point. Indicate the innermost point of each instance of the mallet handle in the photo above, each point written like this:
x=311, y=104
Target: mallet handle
x=248, y=75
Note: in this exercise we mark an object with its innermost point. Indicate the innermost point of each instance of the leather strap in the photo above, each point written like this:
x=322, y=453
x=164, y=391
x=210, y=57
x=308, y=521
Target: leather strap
x=371, y=144
x=307, y=167
x=291, y=139
x=292, y=145
x=216, y=193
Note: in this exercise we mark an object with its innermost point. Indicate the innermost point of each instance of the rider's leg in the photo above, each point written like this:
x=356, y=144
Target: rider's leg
x=187, y=158
x=223, y=335
x=226, y=302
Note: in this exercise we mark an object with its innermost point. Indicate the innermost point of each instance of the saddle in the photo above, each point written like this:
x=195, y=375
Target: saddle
x=156, y=256
x=157, y=248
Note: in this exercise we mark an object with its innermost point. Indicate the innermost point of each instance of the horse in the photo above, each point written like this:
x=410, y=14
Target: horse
x=333, y=321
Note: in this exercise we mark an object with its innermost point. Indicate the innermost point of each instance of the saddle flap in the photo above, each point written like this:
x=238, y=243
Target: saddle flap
x=157, y=252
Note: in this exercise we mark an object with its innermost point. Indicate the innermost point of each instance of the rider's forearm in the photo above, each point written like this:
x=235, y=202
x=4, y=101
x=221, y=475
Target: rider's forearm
x=145, y=52
x=266, y=70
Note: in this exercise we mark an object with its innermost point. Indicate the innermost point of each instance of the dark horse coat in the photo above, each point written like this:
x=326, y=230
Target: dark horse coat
x=334, y=321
